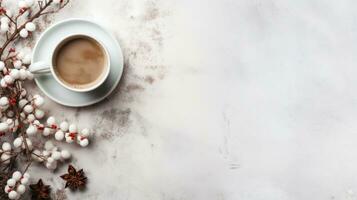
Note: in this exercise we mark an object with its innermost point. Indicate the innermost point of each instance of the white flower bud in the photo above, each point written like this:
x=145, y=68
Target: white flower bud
x=7, y=189
x=30, y=26
x=84, y=142
x=22, y=103
x=27, y=175
x=11, y=182
x=39, y=101
x=31, y=117
x=46, y=132
x=10, y=113
x=13, y=195
x=73, y=128
x=51, y=120
x=4, y=28
x=6, y=146
x=64, y=126
x=24, y=180
x=39, y=113
x=5, y=158
x=17, y=175
x=4, y=101
x=31, y=130
x=85, y=132
x=50, y=160
x=24, y=33
x=28, y=109
x=18, y=142
x=17, y=64
x=4, y=127
x=59, y=135
x=65, y=154
x=21, y=189
x=8, y=80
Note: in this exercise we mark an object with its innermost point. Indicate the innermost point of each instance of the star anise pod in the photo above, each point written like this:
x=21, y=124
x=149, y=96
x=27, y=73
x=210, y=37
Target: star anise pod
x=74, y=180
x=40, y=191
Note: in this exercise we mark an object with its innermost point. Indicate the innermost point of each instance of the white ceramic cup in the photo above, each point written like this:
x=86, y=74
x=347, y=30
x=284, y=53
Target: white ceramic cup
x=45, y=67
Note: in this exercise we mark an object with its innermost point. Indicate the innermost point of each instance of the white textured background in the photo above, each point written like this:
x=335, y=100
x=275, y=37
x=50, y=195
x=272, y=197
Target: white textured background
x=224, y=100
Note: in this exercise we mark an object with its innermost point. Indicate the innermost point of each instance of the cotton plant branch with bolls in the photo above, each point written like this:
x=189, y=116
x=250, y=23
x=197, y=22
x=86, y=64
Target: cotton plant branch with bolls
x=22, y=117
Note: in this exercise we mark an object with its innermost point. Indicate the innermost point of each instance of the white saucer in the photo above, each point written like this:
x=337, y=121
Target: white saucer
x=48, y=41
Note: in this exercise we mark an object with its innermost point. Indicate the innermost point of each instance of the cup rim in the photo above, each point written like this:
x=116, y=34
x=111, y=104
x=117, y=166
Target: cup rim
x=100, y=82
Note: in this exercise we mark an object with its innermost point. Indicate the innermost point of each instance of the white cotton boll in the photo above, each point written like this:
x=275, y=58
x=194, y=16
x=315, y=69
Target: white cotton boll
x=56, y=1
x=15, y=74
x=11, y=182
x=24, y=180
x=31, y=130
x=4, y=101
x=2, y=65
x=22, y=103
x=46, y=153
x=24, y=33
x=18, y=142
x=17, y=175
x=4, y=20
x=39, y=101
x=29, y=75
x=46, y=132
x=29, y=3
x=4, y=28
x=22, y=74
x=85, y=132
x=27, y=59
x=84, y=142
x=52, y=165
x=65, y=154
x=13, y=195
x=28, y=108
x=30, y=26
x=56, y=155
x=22, y=4
x=59, y=135
x=8, y=80
x=64, y=126
x=21, y=189
x=17, y=64
x=39, y=113
x=6, y=146
x=73, y=128
x=4, y=127
x=51, y=120
x=49, y=145
x=50, y=160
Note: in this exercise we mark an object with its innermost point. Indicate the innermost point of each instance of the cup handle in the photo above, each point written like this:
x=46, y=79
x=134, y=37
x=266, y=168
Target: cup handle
x=40, y=67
